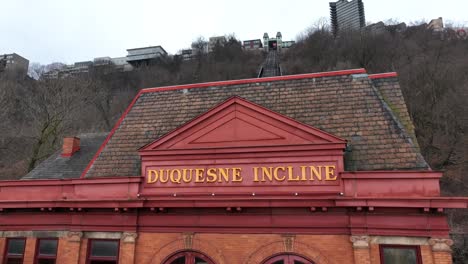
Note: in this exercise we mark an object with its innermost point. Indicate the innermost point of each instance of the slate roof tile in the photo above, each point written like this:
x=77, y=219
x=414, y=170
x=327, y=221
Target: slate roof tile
x=58, y=167
x=369, y=113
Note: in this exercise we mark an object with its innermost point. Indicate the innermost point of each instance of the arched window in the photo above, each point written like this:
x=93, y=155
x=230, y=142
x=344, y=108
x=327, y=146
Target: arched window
x=287, y=259
x=188, y=257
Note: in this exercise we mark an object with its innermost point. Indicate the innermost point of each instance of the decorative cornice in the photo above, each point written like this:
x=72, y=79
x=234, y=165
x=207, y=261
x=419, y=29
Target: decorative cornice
x=129, y=237
x=360, y=241
x=288, y=242
x=74, y=236
x=188, y=240
x=441, y=244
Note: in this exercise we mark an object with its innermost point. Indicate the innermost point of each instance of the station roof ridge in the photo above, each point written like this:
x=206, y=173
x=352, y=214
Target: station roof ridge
x=255, y=80
x=383, y=75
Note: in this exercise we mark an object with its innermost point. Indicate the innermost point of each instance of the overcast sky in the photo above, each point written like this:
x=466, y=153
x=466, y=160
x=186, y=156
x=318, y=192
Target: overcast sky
x=67, y=31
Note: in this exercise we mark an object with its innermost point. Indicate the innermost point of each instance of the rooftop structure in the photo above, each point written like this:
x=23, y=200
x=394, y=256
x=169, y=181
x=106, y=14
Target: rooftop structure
x=347, y=15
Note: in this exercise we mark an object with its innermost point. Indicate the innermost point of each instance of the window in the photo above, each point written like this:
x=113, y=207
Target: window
x=287, y=259
x=46, y=251
x=394, y=254
x=188, y=257
x=14, y=250
x=103, y=251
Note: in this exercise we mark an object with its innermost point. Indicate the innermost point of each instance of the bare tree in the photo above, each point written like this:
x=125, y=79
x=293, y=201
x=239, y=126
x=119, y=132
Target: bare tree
x=53, y=106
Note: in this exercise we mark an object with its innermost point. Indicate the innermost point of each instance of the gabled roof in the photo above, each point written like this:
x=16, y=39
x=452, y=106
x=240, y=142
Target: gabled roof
x=342, y=103
x=240, y=123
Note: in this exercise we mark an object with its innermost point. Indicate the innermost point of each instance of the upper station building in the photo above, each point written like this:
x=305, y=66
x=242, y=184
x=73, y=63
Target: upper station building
x=276, y=43
x=347, y=15
x=319, y=168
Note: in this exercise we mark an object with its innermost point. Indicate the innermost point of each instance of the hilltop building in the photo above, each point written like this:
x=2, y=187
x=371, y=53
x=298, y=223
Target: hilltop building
x=146, y=55
x=347, y=15
x=310, y=168
x=134, y=58
x=187, y=54
x=13, y=62
x=84, y=67
x=436, y=25
x=254, y=44
x=276, y=43
x=109, y=64
x=380, y=28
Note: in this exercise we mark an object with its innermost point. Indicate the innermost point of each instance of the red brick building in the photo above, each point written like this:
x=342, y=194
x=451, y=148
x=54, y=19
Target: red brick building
x=313, y=168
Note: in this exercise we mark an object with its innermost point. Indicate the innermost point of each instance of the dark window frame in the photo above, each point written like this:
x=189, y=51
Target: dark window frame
x=415, y=247
x=6, y=256
x=188, y=253
x=90, y=258
x=38, y=256
x=287, y=258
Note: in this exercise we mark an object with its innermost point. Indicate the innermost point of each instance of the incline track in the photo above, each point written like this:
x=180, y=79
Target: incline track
x=270, y=66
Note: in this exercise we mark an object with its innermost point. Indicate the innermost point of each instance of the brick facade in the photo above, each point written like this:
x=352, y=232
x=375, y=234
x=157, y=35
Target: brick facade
x=442, y=258
x=154, y=248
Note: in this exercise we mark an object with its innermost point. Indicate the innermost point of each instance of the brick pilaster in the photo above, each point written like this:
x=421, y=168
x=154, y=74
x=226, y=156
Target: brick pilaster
x=127, y=248
x=441, y=251
x=361, y=249
x=69, y=248
x=29, y=250
x=2, y=247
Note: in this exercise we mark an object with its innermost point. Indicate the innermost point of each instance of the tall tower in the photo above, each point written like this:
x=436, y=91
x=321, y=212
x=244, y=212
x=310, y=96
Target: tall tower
x=279, y=41
x=347, y=15
x=265, y=41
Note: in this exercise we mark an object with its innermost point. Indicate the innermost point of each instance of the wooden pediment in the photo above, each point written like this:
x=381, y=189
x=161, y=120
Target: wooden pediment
x=240, y=123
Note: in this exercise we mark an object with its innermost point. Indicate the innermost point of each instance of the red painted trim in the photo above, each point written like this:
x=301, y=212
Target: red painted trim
x=383, y=75
x=255, y=80
x=208, y=84
x=391, y=175
x=101, y=148
x=247, y=200
x=408, y=222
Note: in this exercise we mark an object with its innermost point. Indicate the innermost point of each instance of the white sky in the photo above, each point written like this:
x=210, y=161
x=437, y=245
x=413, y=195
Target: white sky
x=66, y=31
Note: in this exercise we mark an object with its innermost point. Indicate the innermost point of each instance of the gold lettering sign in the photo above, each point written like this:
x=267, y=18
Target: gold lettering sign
x=267, y=174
